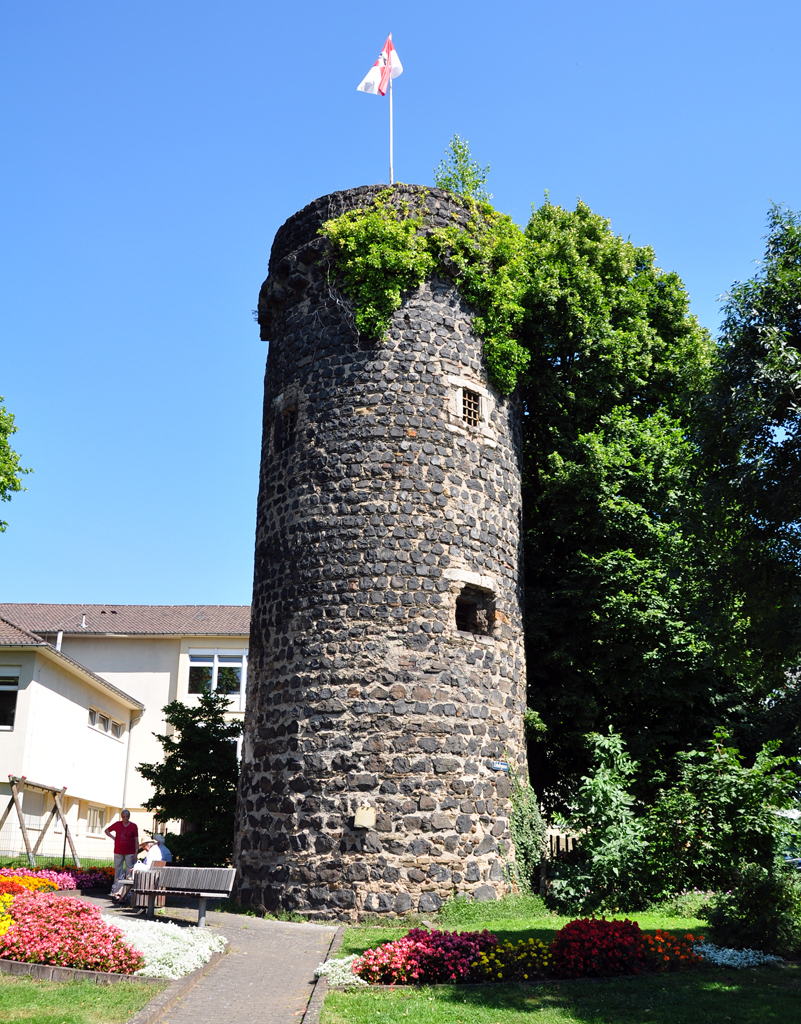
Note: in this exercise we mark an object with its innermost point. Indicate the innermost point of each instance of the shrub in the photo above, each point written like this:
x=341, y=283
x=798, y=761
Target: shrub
x=688, y=903
x=611, y=862
x=48, y=929
x=529, y=831
x=668, y=952
x=513, y=961
x=597, y=948
x=424, y=957
x=763, y=911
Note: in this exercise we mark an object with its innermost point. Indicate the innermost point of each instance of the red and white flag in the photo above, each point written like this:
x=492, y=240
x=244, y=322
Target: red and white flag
x=387, y=66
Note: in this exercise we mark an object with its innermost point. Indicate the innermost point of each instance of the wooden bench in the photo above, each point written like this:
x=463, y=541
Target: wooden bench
x=194, y=883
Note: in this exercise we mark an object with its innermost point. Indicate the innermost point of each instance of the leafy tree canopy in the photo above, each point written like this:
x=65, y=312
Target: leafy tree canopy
x=196, y=783
x=10, y=468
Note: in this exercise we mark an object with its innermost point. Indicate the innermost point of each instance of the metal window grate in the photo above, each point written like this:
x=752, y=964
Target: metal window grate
x=471, y=407
x=285, y=429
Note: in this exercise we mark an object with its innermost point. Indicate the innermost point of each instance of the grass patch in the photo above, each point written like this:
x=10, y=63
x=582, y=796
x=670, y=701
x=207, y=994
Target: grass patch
x=754, y=996
x=24, y=999
x=54, y=864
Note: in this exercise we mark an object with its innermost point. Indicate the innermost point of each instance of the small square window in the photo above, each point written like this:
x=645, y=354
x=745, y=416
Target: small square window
x=285, y=429
x=92, y=716
x=116, y=730
x=471, y=407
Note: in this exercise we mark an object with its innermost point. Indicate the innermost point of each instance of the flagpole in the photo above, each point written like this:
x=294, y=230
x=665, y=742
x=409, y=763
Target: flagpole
x=391, y=171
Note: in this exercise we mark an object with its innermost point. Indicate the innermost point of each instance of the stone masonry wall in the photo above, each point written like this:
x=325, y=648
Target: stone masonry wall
x=379, y=507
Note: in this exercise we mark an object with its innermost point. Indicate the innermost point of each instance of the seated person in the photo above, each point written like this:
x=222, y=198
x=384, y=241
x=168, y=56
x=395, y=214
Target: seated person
x=166, y=856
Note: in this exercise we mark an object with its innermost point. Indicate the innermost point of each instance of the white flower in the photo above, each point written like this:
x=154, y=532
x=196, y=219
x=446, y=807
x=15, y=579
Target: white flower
x=339, y=972
x=722, y=956
x=169, y=951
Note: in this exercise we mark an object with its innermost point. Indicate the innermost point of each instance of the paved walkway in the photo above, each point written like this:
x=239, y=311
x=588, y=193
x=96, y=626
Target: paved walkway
x=266, y=977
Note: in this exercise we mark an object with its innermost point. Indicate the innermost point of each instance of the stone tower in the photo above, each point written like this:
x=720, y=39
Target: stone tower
x=386, y=657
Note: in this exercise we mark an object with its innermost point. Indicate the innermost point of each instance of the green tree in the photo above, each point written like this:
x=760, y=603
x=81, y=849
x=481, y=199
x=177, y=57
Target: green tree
x=196, y=783
x=751, y=436
x=459, y=172
x=622, y=623
x=10, y=468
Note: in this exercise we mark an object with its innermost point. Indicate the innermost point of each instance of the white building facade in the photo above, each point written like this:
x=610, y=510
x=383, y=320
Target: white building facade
x=82, y=688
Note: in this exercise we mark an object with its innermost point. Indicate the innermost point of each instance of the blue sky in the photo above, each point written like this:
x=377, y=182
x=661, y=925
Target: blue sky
x=150, y=151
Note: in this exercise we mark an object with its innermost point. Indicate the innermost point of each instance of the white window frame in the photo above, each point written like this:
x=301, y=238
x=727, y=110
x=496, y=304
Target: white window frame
x=101, y=813
x=96, y=716
x=10, y=672
x=211, y=659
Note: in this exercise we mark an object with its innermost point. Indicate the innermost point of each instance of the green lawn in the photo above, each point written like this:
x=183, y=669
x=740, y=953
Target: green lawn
x=54, y=863
x=755, y=996
x=26, y=1001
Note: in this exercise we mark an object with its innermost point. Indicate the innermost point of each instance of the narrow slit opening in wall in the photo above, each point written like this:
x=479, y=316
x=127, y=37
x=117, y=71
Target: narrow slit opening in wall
x=474, y=611
x=285, y=423
x=471, y=407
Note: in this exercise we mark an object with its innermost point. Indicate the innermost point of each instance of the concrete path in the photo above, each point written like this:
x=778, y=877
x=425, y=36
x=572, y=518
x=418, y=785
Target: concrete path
x=267, y=975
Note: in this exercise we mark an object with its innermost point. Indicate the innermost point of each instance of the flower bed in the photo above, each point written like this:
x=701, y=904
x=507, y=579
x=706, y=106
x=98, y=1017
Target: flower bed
x=46, y=929
x=424, y=956
x=39, y=927
x=590, y=947
x=169, y=951
x=69, y=878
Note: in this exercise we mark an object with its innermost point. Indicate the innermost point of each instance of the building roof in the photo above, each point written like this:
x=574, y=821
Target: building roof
x=14, y=637
x=11, y=634
x=131, y=619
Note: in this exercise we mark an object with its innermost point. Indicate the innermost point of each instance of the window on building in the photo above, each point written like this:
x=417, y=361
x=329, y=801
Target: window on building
x=221, y=670
x=96, y=820
x=101, y=722
x=474, y=611
x=285, y=423
x=9, y=687
x=471, y=407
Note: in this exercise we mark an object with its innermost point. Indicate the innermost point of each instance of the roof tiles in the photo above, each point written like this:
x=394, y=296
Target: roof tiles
x=146, y=619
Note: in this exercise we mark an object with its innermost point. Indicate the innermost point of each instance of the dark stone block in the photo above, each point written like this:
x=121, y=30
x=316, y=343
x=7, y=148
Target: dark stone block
x=403, y=903
x=429, y=902
x=484, y=893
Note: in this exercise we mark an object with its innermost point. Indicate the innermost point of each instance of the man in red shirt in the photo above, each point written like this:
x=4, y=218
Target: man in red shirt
x=125, y=835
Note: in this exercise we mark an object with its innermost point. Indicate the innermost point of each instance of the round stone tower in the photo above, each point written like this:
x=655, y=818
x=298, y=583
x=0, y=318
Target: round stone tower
x=387, y=673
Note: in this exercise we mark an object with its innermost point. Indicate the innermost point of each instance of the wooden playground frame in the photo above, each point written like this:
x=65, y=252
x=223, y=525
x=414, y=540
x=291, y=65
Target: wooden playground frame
x=20, y=782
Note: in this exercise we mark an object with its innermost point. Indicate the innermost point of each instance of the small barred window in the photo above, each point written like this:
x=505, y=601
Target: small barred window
x=285, y=429
x=471, y=407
